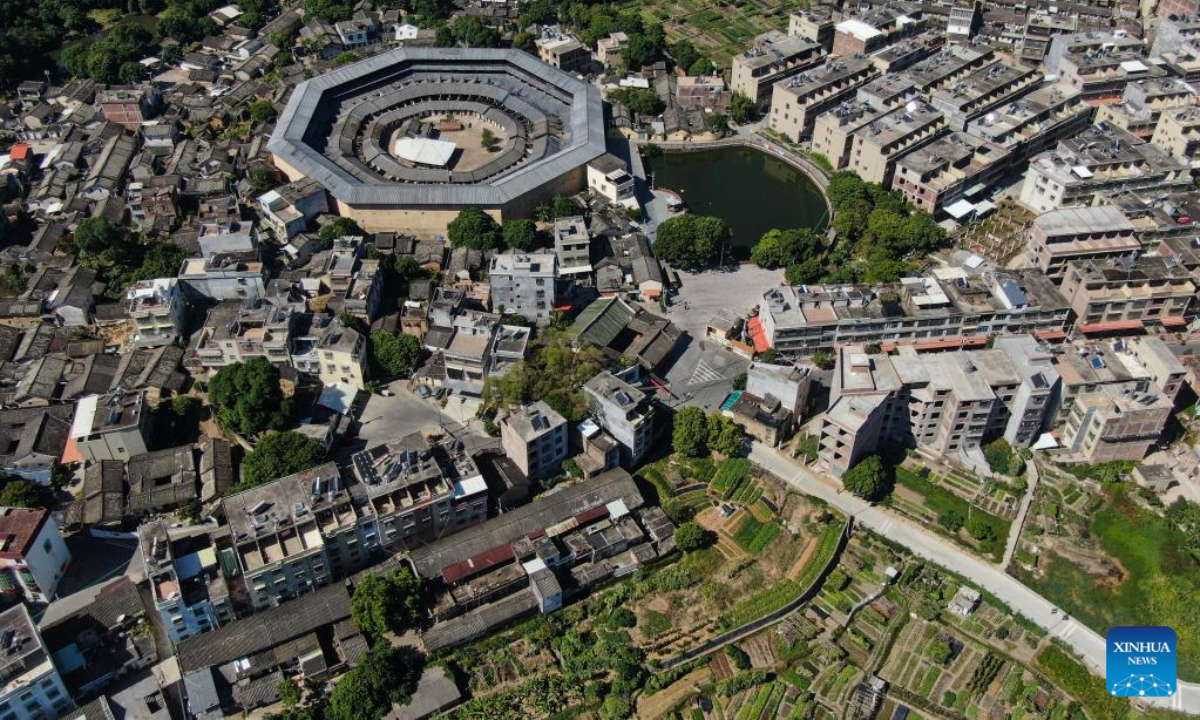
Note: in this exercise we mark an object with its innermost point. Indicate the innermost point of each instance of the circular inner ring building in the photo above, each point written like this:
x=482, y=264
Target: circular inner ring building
x=408, y=138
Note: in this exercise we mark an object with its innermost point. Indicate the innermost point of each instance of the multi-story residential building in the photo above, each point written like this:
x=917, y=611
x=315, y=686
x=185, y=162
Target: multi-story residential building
x=333, y=352
x=874, y=30
x=32, y=689
x=1079, y=233
x=287, y=210
x=573, y=246
x=33, y=557
x=525, y=284
x=235, y=332
x=624, y=412
x=1129, y=293
x=797, y=101
x=1040, y=29
x=1109, y=423
x=875, y=147
x=295, y=535
x=1034, y=122
x=772, y=57
x=1175, y=31
x=1083, y=42
x=225, y=276
x=186, y=583
x=1098, y=162
x=561, y=50
x=534, y=437
x=354, y=33
x=1103, y=73
x=815, y=23
x=947, y=403
x=157, y=311
x=1178, y=133
x=946, y=68
x=947, y=310
x=1143, y=102
x=955, y=166
x=833, y=131
x=128, y=106
x=986, y=88
x=421, y=489
x=468, y=355
x=964, y=21
x=608, y=177
x=609, y=49
x=226, y=235
x=115, y=426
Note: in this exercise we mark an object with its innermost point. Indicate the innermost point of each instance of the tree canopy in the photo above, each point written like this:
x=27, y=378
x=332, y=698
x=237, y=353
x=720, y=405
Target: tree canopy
x=689, y=536
x=386, y=603
x=742, y=108
x=16, y=491
x=104, y=60
x=120, y=256
x=278, y=455
x=367, y=692
x=396, y=354
x=786, y=248
x=696, y=434
x=473, y=228
x=691, y=242
x=340, y=227
x=867, y=479
x=248, y=397
x=520, y=234
x=468, y=31
x=640, y=101
x=553, y=372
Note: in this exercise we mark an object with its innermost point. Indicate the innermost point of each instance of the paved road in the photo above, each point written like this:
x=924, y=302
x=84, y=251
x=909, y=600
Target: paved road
x=1086, y=642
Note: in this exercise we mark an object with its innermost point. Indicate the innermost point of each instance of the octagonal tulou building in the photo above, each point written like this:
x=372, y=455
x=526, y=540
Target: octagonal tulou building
x=408, y=138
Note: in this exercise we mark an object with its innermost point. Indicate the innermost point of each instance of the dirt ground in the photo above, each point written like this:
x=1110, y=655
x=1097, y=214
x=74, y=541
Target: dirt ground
x=472, y=154
x=659, y=704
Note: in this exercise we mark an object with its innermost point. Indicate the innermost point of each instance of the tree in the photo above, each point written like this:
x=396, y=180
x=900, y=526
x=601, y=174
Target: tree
x=940, y=651
x=397, y=354
x=823, y=359
x=487, y=139
x=525, y=41
x=289, y=693
x=867, y=479
x=980, y=529
x=248, y=397
x=340, y=227
x=690, y=433
x=725, y=436
x=263, y=179
x=1003, y=459
x=738, y=657
x=643, y=48
x=691, y=241
x=952, y=520
x=178, y=23
x=804, y=273
x=520, y=234
x=386, y=603
x=262, y=112
x=367, y=692
x=780, y=248
x=559, y=206
x=16, y=491
x=702, y=66
x=468, y=31
x=331, y=11
x=640, y=101
x=684, y=53
x=278, y=455
x=690, y=537
x=742, y=108
x=473, y=228
x=98, y=242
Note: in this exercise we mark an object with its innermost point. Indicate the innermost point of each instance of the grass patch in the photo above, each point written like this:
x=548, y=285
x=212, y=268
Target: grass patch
x=941, y=502
x=1160, y=589
x=1087, y=689
x=753, y=536
x=785, y=591
x=731, y=477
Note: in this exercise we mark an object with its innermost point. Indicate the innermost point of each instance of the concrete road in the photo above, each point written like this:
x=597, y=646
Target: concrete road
x=1087, y=643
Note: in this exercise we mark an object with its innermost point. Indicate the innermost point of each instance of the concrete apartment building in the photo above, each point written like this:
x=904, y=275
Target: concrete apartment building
x=624, y=412
x=947, y=403
x=976, y=94
x=797, y=101
x=875, y=147
x=1178, y=133
x=225, y=276
x=287, y=210
x=1143, y=102
x=948, y=66
x=420, y=489
x=157, y=310
x=1079, y=233
x=534, y=437
x=334, y=353
x=946, y=310
x=1040, y=29
x=609, y=178
x=1129, y=294
x=1034, y=122
x=525, y=284
x=561, y=50
x=236, y=332
x=115, y=426
x=1103, y=73
x=1108, y=424
x=1087, y=41
x=295, y=534
x=33, y=689
x=771, y=57
x=955, y=166
x=875, y=29
x=573, y=246
x=816, y=24
x=33, y=556
x=186, y=584
x=833, y=131
x=1098, y=162
x=608, y=49
x=964, y=21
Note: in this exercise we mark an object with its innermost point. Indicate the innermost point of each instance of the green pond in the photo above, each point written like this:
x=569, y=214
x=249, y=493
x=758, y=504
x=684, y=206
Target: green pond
x=750, y=189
